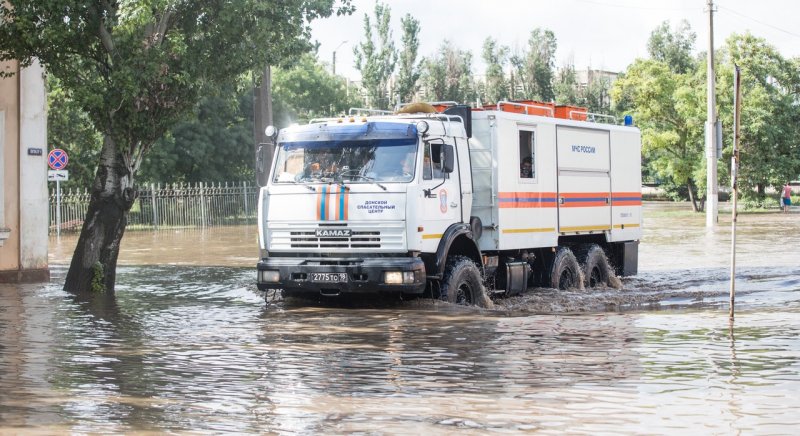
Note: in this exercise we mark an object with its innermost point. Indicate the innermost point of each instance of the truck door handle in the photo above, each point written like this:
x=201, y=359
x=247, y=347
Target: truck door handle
x=454, y=204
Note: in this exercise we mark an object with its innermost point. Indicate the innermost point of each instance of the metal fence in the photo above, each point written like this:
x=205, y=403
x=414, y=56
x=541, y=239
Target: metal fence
x=170, y=205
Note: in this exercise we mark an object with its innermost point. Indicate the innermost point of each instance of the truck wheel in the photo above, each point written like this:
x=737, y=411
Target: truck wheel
x=565, y=273
x=462, y=283
x=595, y=267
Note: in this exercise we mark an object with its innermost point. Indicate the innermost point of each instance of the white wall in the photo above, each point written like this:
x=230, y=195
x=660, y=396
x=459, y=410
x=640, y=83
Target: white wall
x=4, y=232
x=34, y=219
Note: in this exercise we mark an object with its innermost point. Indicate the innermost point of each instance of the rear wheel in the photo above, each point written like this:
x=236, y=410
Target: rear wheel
x=462, y=283
x=595, y=267
x=565, y=273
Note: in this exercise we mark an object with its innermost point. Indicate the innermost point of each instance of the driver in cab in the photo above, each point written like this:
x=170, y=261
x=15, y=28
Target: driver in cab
x=400, y=170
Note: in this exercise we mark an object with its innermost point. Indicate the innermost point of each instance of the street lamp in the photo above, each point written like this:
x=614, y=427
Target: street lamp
x=333, y=64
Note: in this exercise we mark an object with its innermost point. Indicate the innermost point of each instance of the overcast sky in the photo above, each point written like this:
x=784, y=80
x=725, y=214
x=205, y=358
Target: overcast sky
x=601, y=34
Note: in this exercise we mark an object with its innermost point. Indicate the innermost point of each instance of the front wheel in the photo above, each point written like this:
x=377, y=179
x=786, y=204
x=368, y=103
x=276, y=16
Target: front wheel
x=565, y=272
x=462, y=283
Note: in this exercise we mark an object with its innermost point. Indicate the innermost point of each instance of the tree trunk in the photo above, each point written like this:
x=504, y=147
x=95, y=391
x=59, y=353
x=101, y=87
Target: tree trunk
x=690, y=188
x=94, y=262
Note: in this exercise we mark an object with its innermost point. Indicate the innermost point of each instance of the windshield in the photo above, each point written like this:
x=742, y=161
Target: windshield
x=353, y=161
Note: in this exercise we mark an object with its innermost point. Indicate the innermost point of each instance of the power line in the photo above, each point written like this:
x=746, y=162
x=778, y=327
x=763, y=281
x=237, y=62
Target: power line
x=731, y=11
x=617, y=5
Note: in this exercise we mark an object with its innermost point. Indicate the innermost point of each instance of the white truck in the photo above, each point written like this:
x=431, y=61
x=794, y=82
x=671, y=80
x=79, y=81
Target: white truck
x=452, y=203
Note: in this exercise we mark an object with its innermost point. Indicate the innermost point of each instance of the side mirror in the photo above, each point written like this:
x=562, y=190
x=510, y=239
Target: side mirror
x=263, y=161
x=448, y=158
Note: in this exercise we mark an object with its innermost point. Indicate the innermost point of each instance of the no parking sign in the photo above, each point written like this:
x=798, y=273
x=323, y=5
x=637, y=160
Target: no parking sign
x=57, y=159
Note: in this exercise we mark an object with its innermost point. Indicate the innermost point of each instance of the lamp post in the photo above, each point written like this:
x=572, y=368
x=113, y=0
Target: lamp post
x=333, y=64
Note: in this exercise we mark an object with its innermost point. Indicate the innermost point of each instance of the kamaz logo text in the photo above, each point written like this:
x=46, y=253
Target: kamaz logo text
x=583, y=149
x=332, y=233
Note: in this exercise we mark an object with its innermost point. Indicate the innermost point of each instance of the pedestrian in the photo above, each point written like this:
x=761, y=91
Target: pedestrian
x=786, y=197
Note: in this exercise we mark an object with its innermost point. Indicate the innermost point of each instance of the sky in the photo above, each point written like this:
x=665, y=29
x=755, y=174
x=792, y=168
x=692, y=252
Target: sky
x=598, y=34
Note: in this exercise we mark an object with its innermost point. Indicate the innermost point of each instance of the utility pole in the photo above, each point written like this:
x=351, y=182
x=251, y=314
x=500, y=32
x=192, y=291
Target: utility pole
x=262, y=116
x=711, y=148
x=737, y=110
x=333, y=63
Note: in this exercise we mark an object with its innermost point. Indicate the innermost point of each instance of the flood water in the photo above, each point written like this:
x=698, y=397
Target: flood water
x=188, y=344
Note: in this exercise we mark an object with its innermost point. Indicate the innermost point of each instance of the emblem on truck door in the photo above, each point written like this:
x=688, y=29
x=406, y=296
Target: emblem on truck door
x=332, y=233
x=443, y=200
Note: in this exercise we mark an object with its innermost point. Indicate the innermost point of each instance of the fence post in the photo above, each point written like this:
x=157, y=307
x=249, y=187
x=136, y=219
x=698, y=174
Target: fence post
x=202, y=206
x=153, y=200
x=246, y=207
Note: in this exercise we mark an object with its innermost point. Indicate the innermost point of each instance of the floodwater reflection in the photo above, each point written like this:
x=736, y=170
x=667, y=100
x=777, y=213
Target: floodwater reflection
x=187, y=346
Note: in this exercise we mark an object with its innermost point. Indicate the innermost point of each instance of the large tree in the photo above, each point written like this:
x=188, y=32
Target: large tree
x=496, y=86
x=69, y=128
x=535, y=66
x=376, y=57
x=665, y=106
x=666, y=96
x=409, y=70
x=770, y=132
x=673, y=46
x=307, y=90
x=447, y=76
x=136, y=68
x=213, y=143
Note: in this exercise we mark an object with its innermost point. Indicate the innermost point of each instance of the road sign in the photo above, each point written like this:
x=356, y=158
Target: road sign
x=57, y=159
x=57, y=175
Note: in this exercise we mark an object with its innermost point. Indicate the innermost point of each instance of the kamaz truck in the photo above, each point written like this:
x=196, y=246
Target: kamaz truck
x=450, y=201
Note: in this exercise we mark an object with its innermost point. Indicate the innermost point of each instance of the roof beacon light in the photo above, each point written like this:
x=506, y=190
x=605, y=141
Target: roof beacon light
x=422, y=127
x=628, y=120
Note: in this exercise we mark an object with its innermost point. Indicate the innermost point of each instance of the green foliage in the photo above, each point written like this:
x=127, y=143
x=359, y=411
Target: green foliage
x=665, y=103
x=665, y=94
x=376, y=59
x=410, y=69
x=596, y=95
x=769, y=146
x=98, y=278
x=673, y=47
x=136, y=69
x=535, y=66
x=70, y=129
x=566, y=88
x=448, y=75
x=307, y=90
x=495, y=56
x=213, y=144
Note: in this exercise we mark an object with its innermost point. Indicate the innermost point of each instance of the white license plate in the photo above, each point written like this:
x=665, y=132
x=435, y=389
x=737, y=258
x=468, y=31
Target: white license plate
x=329, y=277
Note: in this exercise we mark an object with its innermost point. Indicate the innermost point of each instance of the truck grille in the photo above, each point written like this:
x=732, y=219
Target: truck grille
x=357, y=240
x=363, y=237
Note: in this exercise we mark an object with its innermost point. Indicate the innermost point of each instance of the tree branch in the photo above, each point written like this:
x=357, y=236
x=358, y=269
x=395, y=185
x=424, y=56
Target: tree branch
x=105, y=36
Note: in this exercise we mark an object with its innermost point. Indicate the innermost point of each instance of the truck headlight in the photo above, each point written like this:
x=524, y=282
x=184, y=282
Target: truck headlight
x=269, y=276
x=398, y=277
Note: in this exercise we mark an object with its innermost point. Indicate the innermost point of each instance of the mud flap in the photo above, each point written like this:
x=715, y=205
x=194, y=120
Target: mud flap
x=629, y=255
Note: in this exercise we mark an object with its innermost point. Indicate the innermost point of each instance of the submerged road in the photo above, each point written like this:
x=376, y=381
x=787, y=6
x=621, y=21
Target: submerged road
x=188, y=344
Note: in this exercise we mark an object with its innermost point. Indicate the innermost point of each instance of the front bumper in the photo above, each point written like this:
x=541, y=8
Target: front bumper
x=363, y=275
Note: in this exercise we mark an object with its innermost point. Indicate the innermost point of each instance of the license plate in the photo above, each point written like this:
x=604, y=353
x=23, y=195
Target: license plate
x=329, y=277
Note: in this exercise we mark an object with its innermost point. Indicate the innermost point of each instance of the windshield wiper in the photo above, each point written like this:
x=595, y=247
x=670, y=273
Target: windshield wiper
x=371, y=180
x=295, y=182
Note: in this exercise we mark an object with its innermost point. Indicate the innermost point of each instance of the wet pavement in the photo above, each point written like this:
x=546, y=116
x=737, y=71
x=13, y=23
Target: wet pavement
x=188, y=344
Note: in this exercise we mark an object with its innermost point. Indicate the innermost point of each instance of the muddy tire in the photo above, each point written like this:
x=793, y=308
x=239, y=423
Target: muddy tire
x=594, y=266
x=565, y=272
x=462, y=283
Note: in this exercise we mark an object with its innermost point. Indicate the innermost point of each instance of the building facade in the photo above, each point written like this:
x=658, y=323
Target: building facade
x=23, y=175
